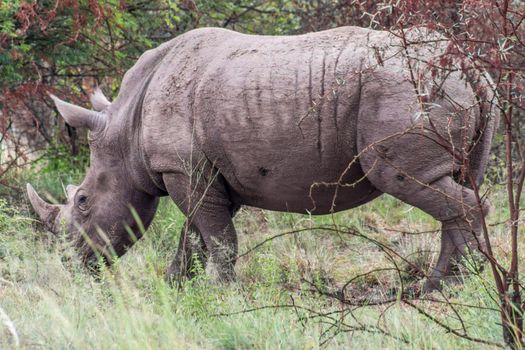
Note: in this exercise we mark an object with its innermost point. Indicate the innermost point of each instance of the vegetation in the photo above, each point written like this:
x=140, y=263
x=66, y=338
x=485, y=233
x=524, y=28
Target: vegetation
x=277, y=302
x=293, y=269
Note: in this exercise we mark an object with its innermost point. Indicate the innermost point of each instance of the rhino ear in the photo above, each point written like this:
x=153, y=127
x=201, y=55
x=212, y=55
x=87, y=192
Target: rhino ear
x=70, y=191
x=98, y=100
x=79, y=117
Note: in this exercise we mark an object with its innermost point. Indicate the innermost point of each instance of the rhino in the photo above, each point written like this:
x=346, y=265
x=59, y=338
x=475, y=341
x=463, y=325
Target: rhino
x=315, y=123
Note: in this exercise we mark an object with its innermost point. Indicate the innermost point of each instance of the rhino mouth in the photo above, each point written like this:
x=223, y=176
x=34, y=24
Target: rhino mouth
x=93, y=257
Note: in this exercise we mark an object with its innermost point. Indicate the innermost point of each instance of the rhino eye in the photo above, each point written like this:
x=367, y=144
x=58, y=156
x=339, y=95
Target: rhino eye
x=82, y=202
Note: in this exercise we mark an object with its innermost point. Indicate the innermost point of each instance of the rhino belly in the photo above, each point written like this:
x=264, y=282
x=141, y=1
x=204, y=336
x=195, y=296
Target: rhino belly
x=300, y=191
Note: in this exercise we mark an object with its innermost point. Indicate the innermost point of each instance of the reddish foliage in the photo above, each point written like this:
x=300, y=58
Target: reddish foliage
x=25, y=105
x=33, y=14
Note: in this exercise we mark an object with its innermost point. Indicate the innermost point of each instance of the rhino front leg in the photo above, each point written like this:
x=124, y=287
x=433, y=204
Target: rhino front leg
x=209, y=212
x=190, y=252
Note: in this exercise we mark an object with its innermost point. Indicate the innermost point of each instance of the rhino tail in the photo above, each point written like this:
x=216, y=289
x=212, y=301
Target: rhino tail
x=480, y=153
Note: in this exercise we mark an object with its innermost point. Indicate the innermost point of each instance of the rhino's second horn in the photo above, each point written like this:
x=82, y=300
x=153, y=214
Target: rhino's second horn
x=79, y=117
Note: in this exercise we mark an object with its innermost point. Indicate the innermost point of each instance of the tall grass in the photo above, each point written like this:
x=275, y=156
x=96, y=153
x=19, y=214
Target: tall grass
x=54, y=303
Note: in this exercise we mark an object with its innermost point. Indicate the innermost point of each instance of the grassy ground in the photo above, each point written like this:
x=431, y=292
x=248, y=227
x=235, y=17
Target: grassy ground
x=51, y=302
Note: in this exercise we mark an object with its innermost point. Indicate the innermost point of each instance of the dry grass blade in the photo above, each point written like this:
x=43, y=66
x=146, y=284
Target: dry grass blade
x=10, y=327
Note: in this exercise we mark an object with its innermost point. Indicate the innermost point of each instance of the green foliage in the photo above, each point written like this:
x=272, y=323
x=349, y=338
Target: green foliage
x=57, y=169
x=62, y=46
x=82, y=40
x=57, y=160
x=8, y=66
x=259, y=17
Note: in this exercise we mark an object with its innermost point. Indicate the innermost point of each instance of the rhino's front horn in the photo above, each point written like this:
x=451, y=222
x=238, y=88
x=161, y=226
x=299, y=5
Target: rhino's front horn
x=47, y=212
x=98, y=100
x=79, y=117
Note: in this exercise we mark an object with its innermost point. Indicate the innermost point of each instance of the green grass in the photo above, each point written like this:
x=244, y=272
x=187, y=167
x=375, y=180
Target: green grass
x=55, y=304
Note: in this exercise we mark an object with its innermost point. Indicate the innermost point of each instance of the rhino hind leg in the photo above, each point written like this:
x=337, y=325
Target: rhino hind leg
x=461, y=216
x=209, y=212
x=449, y=202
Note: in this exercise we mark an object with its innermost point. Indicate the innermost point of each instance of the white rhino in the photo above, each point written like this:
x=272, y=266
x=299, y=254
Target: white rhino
x=314, y=123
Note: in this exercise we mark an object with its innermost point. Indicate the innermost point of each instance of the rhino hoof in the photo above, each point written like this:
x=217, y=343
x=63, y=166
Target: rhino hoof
x=431, y=285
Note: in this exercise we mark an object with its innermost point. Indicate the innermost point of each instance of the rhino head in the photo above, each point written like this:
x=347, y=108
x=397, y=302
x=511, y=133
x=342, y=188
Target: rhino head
x=107, y=212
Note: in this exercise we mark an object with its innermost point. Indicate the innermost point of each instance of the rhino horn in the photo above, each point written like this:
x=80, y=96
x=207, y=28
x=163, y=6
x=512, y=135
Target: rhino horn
x=98, y=100
x=79, y=117
x=47, y=212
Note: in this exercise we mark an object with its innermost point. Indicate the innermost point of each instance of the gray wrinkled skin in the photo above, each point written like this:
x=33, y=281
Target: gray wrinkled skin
x=315, y=123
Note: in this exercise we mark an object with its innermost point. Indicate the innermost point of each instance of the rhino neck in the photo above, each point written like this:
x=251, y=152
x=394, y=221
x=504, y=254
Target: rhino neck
x=127, y=125
x=129, y=130
x=141, y=175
